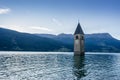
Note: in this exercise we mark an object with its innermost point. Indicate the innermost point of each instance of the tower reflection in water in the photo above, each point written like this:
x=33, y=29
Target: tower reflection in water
x=78, y=69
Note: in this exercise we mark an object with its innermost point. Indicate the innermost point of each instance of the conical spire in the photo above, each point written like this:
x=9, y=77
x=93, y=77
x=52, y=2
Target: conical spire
x=78, y=29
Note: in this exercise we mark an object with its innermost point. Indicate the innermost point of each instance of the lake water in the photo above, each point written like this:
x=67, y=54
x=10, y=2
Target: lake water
x=59, y=66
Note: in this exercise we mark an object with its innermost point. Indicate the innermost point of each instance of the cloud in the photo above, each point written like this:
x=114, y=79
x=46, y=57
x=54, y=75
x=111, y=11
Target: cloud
x=29, y=29
x=56, y=21
x=4, y=11
x=42, y=28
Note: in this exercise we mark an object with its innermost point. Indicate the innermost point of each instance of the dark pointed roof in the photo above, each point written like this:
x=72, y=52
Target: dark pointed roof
x=78, y=29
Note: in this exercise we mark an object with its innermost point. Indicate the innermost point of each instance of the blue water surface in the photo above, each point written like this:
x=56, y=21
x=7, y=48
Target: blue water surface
x=59, y=66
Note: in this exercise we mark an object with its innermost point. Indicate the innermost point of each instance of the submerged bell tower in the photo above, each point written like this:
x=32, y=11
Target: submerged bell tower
x=79, y=41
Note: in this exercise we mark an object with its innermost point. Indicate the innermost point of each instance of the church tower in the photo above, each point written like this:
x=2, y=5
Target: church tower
x=79, y=41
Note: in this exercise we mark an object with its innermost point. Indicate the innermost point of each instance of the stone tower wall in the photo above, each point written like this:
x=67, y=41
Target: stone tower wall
x=79, y=43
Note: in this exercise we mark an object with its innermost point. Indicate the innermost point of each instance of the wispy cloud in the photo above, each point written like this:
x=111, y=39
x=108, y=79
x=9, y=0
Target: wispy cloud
x=42, y=28
x=29, y=29
x=4, y=10
x=56, y=21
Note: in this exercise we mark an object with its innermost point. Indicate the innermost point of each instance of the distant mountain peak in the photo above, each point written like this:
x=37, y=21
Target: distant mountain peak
x=99, y=35
x=64, y=35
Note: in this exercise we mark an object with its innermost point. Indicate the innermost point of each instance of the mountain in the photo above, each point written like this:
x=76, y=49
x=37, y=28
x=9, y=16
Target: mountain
x=102, y=42
x=64, y=38
x=15, y=41
x=99, y=42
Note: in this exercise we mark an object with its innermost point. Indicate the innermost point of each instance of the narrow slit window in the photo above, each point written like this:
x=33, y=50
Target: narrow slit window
x=82, y=38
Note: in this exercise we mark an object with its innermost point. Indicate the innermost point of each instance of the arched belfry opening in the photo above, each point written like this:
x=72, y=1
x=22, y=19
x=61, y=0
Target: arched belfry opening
x=76, y=37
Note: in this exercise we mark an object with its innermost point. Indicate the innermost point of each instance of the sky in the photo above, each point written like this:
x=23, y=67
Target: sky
x=61, y=16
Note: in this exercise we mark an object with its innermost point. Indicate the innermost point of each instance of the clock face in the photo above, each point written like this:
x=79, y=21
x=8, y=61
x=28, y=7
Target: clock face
x=76, y=41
